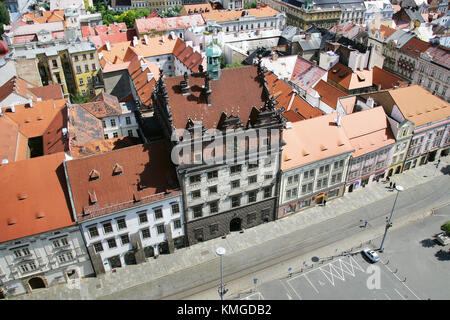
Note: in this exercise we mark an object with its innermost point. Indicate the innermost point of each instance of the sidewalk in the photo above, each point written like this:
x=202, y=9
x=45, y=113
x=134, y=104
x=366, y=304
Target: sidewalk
x=149, y=276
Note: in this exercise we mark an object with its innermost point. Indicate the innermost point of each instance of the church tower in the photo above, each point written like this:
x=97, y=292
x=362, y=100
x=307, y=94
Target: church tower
x=213, y=53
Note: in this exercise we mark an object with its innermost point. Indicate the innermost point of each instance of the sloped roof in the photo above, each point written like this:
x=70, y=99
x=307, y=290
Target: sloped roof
x=102, y=146
x=440, y=55
x=415, y=46
x=186, y=54
x=236, y=92
x=313, y=140
x=348, y=79
x=156, y=46
x=29, y=91
x=51, y=91
x=225, y=15
x=11, y=141
x=419, y=105
x=34, y=121
x=138, y=70
x=40, y=183
x=147, y=174
x=367, y=130
x=145, y=25
x=329, y=93
x=83, y=126
x=386, y=79
x=103, y=105
x=305, y=74
x=53, y=138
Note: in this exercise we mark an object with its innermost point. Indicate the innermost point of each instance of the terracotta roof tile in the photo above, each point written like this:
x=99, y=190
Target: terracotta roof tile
x=367, y=130
x=83, y=126
x=221, y=16
x=186, y=55
x=53, y=139
x=103, y=105
x=386, y=79
x=329, y=93
x=147, y=174
x=305, y=74
x=42, y=185
x=306, y=139
x=9, y=139
x=236, y=92
x=145, y=25
x=102, y=146
x=345, y=77
x=415, y=46
x=34, y=121
x=139, y=70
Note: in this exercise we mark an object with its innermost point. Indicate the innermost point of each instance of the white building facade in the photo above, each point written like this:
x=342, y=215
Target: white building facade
x=42, y=260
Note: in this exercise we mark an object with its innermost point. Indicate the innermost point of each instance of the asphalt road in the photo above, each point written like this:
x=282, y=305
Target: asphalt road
x=205, y=276
x=412, y=267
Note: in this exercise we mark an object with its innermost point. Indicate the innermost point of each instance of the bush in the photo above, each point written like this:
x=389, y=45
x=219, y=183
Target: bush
x=446, y=228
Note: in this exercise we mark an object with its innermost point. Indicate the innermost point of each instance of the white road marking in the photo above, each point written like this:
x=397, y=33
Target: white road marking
x=401, y=281
x=295, y=291
x=399, y=294
x=311, y=284
x=259, y=294
x=387, y=296
x=287, y=290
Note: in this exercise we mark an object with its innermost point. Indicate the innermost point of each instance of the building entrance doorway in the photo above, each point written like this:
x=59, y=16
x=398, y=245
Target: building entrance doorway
x=432, y=156
x=397, y=171
x=390, y=172
x=235, y=224
x=350, y=188
x=36, y=283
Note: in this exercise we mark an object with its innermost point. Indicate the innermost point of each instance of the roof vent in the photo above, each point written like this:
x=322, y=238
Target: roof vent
x=323, y=148
x=40, y=215
x=136, y=196
x=5, y=161
x=94, y=175
x=22, y=196
x=305, y=153
x=117, y=169
x=11, y=221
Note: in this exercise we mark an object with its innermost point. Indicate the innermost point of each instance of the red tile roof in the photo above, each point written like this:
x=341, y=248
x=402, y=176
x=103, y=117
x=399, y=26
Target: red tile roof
x=34, y=197
x=102, y=146
x=306, y=74
x=83, y=126
x=415, y=46
x=138, y=69
x=147, y=174
x=29, y=91
x=145, y=25
x=53, y=140
x=187, y=56
x=33, y=122
x=236, y=92
x=10, y=140
x=103, y=105
x=329, y=93
x=386, y=80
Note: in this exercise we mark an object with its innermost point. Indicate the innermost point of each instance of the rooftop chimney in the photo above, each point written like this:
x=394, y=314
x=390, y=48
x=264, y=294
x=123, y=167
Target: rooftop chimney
x=135, y=41
x=108, y=45
x=150, y=76
x=146, y=39
x=185, y=84
x=163, y=39
x=338, y=120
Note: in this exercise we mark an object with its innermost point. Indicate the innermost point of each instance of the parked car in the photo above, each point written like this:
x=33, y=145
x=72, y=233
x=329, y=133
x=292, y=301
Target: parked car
x=371, y=254
x=442, y=238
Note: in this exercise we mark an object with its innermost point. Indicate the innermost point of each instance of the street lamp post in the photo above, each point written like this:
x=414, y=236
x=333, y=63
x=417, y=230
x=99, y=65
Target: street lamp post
x=388, y=222
x=220, y=252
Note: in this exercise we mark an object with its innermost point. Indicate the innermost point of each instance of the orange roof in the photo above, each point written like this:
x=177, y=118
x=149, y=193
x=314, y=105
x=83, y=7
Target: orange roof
x=43, y=16
x=419, y=105
x=221, y=16
x=385, y=31
x=348, y=103
x=146, y=173
x=386, y=80
x=296, y=108
x=345, y=77
x=102, y=146
x=313, y=140
x=138, y=69
x=187, y=56
x=367, y=130
x=33, y=121
x=34, y=197
x=53, y=140
x=103, y=105
x=196, y=8
x=156, y=46
x=83, y=126
x=328, y=93
x=117, y=52
x=11, y=141
x=29, y=91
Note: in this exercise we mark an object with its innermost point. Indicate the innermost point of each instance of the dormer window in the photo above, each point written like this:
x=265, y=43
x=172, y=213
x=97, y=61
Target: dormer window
x=117, y=169
x=94, y=175
x=92, y=197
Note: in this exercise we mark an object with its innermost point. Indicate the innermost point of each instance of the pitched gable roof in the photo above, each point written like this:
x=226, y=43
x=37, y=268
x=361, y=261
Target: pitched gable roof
x=34, y=197
x=187, y=56
x=139, y=70
x=147, y=175
x=328, y=93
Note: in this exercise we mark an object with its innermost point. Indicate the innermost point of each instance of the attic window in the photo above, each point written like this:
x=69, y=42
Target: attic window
x=40, y=215
x=305, y=153
x=361, y=77
x=323, y=148
x=92, y=197
x=11, y=221
x=117, y=169
x=94, y=175
x=136, y=196
x=409, y=47
x=340, y=143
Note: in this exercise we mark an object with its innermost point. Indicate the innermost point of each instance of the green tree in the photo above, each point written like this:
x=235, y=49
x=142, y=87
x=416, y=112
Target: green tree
x=4, y=15
x=78, y=98
x=234, y=65
x=446, y=227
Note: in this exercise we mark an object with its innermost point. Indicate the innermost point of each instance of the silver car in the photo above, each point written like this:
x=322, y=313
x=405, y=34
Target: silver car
x=371, y=254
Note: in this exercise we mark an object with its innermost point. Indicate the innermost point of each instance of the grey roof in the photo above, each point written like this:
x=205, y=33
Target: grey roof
x=313, y=44
x=401, y=37
x=289, y=32
x=414, y=14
